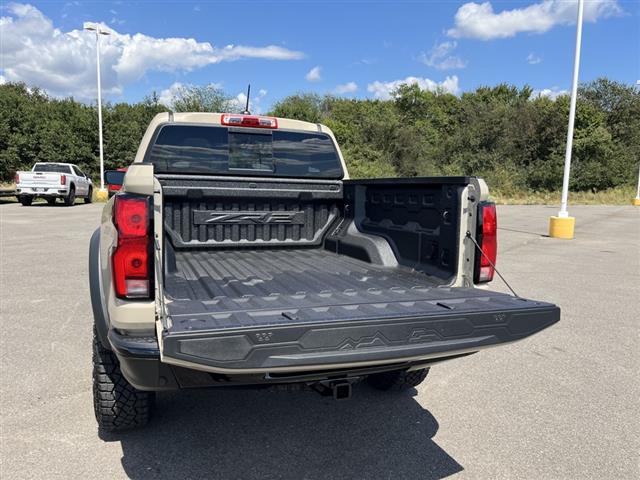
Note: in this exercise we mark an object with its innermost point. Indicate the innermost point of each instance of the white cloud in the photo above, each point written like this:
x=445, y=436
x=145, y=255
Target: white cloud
x=63, y=63
x=384, y=90
x=348, y=87
x=440, y=57
x=3, y=80
x=533, y=59
x=478, y=20
x=313, y=75
x=552, y=93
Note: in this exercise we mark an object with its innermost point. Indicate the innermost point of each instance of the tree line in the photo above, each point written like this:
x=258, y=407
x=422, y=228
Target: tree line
x=506, y=135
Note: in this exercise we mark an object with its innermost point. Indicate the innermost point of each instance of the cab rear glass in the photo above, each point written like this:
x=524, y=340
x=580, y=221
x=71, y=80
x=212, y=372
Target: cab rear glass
x=199, y=149
x=51, y=168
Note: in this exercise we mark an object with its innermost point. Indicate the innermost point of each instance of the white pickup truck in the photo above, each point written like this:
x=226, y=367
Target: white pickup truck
x=51, y=181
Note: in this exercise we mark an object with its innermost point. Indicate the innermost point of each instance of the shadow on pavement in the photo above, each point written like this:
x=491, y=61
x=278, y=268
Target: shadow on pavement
x=242, y=434
x=41, y=203
x=537, y=234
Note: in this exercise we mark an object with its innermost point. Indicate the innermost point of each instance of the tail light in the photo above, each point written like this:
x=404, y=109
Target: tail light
x=63, y=179
x=248, y=121
x=17, y=178
x=132, y=258
x=487, y=238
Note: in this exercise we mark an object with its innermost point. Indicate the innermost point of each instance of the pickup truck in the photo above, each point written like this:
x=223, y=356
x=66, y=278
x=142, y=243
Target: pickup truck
x=51, y=181
x=238, y=253
x=112, y=189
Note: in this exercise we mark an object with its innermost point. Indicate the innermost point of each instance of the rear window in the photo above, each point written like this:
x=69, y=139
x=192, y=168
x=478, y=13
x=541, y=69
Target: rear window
x=233, y=151
x=51, y=168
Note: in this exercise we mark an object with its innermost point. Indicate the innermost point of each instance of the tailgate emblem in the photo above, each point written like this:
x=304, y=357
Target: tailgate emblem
x=377, y=340
x=422, y=335
x=206, y=217
x=264, y=336
x=500, y=317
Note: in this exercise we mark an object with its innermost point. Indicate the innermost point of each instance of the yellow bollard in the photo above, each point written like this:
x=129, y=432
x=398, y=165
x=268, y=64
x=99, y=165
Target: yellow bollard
x=561, y=227
x=636, y=202
x=102, y=195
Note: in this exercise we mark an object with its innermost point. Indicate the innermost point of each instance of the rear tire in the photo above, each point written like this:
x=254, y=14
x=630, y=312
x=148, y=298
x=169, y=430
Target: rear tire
x=89, y=197
x=51, y=201
x=117, y=404
x=71, y=197
x=398, y=380
x=25, y=200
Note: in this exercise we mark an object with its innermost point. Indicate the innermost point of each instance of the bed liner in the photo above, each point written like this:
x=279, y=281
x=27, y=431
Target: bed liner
x=237, y=289
x=245, y=311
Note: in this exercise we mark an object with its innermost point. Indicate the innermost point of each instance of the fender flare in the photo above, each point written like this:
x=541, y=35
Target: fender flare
x=100, y=315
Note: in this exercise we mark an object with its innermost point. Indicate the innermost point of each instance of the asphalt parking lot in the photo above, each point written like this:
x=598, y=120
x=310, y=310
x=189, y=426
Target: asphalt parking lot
x=562, y=404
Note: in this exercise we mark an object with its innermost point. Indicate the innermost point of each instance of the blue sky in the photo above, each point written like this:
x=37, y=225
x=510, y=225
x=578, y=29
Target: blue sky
x=353, y=48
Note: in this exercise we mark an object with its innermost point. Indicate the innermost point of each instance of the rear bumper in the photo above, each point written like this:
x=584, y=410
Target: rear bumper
x=54, y=191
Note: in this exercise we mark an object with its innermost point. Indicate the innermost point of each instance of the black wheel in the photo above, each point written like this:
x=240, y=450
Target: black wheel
x=117, y=404
x=25, y=200
x=51, y=200
x=71, y=196
x=398, y=380
x=89, y=197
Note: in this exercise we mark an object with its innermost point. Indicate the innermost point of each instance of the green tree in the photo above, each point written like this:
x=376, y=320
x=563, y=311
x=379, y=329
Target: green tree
x=308, y=107
x=501, y=133
x=207, y=98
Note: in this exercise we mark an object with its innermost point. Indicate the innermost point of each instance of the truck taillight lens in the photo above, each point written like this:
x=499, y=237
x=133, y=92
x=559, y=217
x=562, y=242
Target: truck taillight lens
x=131, y=258
x=17, y=179
x=236, y=120
x=487, y=238
x=63, y=179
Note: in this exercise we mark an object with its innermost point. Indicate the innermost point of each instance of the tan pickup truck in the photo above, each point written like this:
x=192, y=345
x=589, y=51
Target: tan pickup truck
x=238, y=252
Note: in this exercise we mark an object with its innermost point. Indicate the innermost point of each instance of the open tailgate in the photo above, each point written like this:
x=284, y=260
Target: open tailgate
x=439, y=322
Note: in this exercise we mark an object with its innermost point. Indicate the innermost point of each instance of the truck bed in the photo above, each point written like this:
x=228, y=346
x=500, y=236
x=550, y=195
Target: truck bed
x=342, y=275
x=244, y=288
x=266, y=309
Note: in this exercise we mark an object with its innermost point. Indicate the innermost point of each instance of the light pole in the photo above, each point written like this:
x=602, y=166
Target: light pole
x=636, y=201
x=563, y=225
x=95, y=27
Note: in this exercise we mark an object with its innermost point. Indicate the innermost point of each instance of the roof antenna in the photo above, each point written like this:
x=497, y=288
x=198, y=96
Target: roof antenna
x=246, y=108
